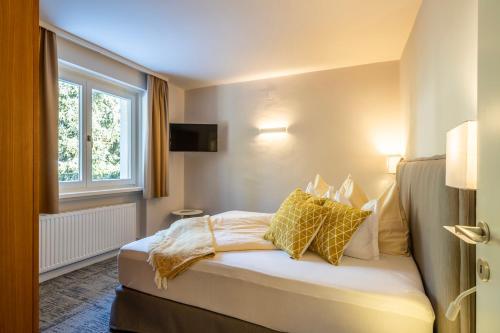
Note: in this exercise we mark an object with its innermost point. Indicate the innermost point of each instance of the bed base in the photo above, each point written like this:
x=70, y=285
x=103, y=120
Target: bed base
x=134, y=311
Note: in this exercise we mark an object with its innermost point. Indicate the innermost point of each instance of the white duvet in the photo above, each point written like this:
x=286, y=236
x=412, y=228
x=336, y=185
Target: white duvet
x=238, y=231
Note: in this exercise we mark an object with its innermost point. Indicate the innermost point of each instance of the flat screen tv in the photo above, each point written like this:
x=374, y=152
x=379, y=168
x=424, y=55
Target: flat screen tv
x=193, y=137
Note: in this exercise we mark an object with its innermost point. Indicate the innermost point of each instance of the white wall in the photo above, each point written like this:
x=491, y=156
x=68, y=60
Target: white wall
x=439, y=73
x=340, y=121
x=94, y=61
x=153, y=214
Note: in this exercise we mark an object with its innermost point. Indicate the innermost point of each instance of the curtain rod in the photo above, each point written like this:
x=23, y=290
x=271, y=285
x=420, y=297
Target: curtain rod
x=84, y=43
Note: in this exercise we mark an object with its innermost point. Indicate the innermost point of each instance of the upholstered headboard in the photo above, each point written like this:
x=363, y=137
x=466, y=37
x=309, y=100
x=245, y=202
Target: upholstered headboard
x=446, y=265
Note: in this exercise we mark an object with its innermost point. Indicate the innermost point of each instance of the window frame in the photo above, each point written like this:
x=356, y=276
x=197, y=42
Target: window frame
x=90, y=82
x=80, y=184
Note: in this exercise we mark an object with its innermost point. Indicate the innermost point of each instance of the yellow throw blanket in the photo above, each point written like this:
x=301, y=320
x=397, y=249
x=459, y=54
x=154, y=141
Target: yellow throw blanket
x=178, y=247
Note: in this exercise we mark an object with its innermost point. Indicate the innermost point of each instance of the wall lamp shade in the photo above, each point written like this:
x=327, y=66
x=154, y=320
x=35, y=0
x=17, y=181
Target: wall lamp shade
x=392, y=163
x=280, y=129
x=461, y=156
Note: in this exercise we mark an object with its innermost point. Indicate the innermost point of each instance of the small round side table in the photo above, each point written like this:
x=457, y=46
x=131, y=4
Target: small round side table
x=187, y=212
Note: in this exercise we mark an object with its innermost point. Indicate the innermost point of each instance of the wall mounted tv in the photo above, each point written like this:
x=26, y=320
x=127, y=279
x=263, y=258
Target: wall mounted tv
x=193, y=137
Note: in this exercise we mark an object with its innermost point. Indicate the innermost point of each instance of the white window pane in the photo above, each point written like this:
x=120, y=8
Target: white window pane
x=111, y=136
x=70, y=95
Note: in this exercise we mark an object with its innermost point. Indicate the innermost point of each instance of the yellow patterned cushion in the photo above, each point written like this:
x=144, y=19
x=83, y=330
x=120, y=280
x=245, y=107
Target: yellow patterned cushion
x=296, y=196
x=338, y=228
x=317, y=200
x=297, y=221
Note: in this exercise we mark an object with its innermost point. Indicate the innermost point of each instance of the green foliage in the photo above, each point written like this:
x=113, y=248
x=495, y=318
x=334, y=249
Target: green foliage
x=106, y=113
x=105, y=136
x=69, y=131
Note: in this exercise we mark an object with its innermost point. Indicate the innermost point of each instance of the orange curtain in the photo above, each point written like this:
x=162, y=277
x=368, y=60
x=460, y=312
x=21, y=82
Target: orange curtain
x=156, y=166
x=49, y=119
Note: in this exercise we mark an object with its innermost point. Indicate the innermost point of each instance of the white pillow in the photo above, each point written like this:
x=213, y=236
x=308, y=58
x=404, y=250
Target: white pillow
x=393, y=231
x=353, y=192
x=310, y=188
x=320, y=188
x=364, y=242
x=340, y=198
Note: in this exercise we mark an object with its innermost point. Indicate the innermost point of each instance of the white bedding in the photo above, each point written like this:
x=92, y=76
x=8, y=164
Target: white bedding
x=236, y=231
x=268, y=288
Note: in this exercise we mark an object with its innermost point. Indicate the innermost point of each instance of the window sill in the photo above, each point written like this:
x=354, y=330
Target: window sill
x=98, y=193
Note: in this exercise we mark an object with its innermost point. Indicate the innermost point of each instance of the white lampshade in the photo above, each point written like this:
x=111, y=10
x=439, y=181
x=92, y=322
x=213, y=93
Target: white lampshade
x=461, y=156
x=392, y=163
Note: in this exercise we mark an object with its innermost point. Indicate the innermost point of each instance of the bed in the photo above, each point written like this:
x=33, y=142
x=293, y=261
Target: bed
x=266, y=291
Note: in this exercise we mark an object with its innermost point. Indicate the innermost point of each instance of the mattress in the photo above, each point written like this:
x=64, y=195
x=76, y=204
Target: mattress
x=268, y=288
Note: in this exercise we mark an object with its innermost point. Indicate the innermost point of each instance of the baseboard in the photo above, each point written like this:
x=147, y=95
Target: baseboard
x=74, y=266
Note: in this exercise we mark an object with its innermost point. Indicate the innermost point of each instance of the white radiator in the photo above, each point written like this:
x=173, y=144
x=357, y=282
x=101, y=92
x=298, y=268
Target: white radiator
x=74, y=236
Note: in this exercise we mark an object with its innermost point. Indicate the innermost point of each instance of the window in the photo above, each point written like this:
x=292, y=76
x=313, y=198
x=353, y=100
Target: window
x=98, y=122
x=70, y=105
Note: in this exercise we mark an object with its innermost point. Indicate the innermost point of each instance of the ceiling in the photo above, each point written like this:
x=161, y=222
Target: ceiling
x=199, y=43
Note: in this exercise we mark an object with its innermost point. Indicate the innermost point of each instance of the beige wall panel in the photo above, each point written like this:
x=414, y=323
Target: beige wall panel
x=340, y=121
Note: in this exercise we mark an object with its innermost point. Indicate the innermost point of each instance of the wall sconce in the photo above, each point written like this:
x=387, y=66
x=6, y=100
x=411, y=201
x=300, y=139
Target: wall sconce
x=281, y=129
x=392, y=163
